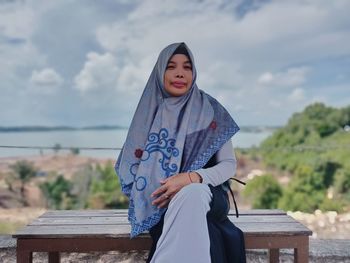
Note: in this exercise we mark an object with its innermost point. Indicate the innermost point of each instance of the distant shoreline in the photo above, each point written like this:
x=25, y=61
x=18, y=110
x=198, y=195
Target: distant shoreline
x=58, y=128
x=250, y=129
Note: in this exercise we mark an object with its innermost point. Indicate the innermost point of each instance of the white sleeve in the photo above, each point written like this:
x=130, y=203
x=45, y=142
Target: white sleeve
x=224, y=169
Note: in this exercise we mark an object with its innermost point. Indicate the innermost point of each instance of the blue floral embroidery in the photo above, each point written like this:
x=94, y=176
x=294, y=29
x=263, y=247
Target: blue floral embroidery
x=157, y=142
x=140, y=182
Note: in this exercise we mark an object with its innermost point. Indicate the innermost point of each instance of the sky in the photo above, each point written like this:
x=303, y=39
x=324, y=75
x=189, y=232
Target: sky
x=86, y=62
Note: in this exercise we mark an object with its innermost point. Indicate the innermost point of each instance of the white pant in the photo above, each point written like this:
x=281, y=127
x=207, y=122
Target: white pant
x=185, y=236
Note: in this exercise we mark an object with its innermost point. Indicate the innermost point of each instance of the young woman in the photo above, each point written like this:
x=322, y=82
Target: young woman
x=175, y=165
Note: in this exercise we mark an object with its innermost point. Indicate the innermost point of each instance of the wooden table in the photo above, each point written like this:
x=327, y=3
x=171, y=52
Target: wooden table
x=105, y=230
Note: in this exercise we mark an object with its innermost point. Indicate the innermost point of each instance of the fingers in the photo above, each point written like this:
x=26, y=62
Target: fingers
x=162, y=200
x=164, y=203
x=164, y=181
x=164, y=193
x=162, y=197
x=159, y=191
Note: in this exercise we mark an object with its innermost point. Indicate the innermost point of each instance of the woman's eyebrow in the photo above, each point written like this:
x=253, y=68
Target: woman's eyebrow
x=186, y=62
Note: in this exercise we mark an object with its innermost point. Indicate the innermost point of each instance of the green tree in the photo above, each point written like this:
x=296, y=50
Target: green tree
x=305, y=192
x=308, y=190
x=81, y=181
x=105, y=191
x=24, y=171
x=57, y=147
x=58, y=193
x=264, y=191
x=75, y=151
x=312, y=147
x=342, y=184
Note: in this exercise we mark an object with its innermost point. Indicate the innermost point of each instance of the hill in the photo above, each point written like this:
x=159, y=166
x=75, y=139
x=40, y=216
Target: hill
x=314, y=146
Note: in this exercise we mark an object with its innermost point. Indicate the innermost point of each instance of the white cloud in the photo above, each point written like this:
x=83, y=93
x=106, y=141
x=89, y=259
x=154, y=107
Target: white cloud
x=266, y=78
x=242, y=58
x=17, y=21
x=100, y=72
x=291, y=77
x=297, y=95
x=133, y=77
x=20, y=19
x=279, y=31
x=46, y=79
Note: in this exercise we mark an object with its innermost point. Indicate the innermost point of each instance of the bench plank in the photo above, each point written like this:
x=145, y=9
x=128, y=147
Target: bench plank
x=98, y=220
x=115, y=230
x=119, y=212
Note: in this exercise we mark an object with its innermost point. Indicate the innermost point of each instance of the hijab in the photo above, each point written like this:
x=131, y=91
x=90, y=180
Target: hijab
x=168, y=135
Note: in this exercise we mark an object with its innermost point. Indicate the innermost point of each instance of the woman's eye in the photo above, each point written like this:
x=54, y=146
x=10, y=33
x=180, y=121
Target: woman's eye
x=170, y=67
x=188, y=67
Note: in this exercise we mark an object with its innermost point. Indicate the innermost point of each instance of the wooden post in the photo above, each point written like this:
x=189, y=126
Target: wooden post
x=54, y=257
x=274, y=254
x=24, y=256
x=301, y=253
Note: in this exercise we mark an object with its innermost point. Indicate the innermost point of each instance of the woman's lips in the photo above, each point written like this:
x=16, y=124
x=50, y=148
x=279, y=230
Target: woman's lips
x=178, y=84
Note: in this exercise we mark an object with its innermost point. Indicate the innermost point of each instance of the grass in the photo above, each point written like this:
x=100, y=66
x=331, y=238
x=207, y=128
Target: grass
x=9, y=227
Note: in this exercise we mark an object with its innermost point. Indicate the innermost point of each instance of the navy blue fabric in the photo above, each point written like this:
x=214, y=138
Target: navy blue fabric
x=226, y=240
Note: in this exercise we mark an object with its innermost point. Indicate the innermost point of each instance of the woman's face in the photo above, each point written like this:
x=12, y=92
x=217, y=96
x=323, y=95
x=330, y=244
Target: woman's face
x=178, y=75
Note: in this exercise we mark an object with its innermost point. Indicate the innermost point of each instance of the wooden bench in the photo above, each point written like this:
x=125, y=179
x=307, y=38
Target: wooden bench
x=106, y=230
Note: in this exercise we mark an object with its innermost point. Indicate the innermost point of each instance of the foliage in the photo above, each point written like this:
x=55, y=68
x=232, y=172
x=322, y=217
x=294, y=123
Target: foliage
x=105, y=190
x=342, y=183
x=8, y=226
x=91, y=187
x=24, y=171
x=57, y=147
x=75, y=151
x=314, y=147
x=81, y=181
x=305, y=192
x=264, y=191
x=58, y=193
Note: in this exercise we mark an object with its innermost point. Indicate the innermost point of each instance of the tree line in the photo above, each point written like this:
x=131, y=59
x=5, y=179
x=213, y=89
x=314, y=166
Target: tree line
x=320, y=169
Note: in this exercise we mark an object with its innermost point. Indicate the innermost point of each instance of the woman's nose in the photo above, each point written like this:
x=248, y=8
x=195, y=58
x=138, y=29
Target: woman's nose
x=179, y=74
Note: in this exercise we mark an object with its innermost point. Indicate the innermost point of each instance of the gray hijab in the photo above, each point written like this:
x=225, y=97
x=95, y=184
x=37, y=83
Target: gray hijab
x=168, y=135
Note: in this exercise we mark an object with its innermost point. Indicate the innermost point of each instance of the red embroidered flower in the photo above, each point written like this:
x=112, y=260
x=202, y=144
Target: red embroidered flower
x=213, y=125
x=138, y=153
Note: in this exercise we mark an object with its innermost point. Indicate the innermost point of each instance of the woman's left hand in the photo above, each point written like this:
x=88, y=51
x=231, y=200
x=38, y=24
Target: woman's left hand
x=170, y=186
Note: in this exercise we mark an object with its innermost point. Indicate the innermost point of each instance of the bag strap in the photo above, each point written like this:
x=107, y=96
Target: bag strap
x=233, y=196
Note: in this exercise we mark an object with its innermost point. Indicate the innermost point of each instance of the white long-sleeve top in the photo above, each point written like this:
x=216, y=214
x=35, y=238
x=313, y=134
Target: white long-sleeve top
x=224, y=169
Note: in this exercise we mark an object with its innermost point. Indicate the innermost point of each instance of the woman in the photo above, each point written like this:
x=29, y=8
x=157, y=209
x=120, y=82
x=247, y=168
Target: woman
x=175, y=165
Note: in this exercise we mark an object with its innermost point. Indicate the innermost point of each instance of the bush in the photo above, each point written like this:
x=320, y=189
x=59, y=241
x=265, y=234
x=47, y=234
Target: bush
x=342, y=184
x=331, y=205
x=105, y=189
x=58, y=193
x=24, y=171
x=305, y=192
x=264, y=191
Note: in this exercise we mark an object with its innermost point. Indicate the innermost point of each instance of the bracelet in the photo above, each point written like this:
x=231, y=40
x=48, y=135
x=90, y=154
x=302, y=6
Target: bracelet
x=200, y=177
x=189, y=176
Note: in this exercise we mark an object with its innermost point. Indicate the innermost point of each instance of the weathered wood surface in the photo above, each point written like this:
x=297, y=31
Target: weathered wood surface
x=114, y=223
x=91, y=220
x=6, y=241
x=122, y=212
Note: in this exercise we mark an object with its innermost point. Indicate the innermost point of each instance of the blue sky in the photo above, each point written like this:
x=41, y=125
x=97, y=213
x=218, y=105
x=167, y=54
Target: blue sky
x=86, y=62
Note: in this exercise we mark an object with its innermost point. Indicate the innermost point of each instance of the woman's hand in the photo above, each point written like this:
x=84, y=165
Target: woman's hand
x=171, y=185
